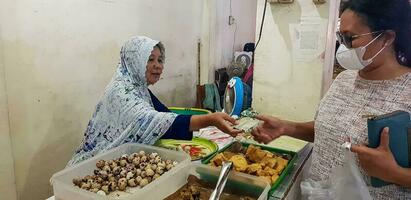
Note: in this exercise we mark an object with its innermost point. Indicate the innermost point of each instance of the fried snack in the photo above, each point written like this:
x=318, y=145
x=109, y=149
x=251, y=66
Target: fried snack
x=218, y=160
x=255, y=154
x=266, y=172
x=256, y=161
x=281, y=163
x=270, y=171
x=228, y=154
x=254, y=168
x=239, y=162
x=269, y=154
x=269, y=162
x=261, y=172
x=274, y=178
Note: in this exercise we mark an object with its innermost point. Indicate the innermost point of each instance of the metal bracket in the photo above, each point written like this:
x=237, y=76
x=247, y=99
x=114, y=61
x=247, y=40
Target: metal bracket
x=281, y=1
x=319, y=1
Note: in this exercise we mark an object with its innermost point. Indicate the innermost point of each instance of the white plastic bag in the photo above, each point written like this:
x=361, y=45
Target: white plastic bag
x=345, y=182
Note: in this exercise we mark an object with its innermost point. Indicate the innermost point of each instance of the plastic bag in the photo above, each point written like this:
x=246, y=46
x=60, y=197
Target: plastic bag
x=345, y=182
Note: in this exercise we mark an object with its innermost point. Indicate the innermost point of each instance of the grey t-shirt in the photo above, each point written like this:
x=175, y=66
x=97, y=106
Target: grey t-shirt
x=340, y=115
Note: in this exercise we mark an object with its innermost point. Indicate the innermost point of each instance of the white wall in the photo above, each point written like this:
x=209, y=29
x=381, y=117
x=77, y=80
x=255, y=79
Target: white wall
x=221, y=34
x=244, y=12
x=7, y=179
x=59, y=56
x=283, y=87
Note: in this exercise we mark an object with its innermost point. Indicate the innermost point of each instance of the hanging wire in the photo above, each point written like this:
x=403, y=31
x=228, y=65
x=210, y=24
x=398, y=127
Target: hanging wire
x=261, y=27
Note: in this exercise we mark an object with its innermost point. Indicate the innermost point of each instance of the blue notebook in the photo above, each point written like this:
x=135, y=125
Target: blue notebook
x=400, y=138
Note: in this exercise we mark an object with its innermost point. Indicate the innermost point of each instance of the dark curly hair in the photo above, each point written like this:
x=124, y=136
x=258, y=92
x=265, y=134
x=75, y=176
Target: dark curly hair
x=392, y=15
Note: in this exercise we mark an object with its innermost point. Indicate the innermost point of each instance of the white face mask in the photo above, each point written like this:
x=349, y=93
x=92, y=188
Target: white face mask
x=352, y=59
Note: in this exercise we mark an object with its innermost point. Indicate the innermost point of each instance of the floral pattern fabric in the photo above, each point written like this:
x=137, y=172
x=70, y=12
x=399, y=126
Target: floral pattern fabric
x=125, y=113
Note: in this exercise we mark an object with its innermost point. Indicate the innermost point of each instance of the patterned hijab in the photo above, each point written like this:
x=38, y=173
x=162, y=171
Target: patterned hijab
x=125, y=113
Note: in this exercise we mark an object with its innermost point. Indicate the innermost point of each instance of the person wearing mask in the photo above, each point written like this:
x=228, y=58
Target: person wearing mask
x=376, y=51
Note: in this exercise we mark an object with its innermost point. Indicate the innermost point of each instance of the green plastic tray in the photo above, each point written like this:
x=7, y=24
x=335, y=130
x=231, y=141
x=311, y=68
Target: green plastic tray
x=210, y=145
x=283, y=174
x=188, y=111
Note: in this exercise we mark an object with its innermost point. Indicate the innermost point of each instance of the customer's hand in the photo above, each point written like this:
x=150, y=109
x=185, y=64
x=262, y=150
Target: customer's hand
x=224, y=122
x=378, y=162
x=270, y=129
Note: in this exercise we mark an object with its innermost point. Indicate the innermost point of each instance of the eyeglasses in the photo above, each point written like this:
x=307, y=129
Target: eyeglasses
x=346, y=40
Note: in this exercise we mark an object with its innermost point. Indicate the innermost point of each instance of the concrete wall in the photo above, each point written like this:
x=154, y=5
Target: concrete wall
x=58, y=57
x=287, y=84
x=7, y=179
x=244, y=13
x=220, y=39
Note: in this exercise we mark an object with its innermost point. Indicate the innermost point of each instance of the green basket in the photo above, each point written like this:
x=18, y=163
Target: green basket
x=283, y=174
x=188, y=111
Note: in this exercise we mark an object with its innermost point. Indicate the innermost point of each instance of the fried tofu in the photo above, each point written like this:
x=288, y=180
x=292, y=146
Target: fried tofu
x=269, y=154
x=281, y=163
x=218, y=160
x=256, y=161
x=239, y=162
x=269, y=162
x=228, y=154
x=274, y=178
x=254, y=168
x=255, y=154
x=267, y=171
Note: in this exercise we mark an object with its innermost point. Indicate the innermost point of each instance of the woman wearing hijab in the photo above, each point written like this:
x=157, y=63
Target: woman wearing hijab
x=129, y=112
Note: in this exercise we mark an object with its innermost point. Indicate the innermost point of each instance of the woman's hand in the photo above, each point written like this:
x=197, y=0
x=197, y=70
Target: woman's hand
x=270, y=129
x=220, y=120
x=378, y=162
x=223, y=122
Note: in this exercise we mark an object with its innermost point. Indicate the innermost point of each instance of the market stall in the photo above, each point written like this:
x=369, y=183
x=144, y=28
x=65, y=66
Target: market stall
x=183, y=165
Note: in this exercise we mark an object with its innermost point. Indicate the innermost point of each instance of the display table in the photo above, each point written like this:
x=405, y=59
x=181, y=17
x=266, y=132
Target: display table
x=290, y=187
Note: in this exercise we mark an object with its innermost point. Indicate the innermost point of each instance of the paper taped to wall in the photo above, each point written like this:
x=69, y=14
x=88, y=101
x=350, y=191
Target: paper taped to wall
x=307, y=39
